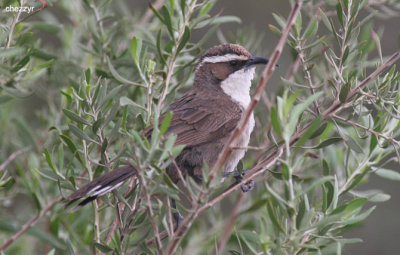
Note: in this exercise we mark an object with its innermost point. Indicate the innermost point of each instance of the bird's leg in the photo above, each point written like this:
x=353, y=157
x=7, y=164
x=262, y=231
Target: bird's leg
x=176, y=215
x=238, y=175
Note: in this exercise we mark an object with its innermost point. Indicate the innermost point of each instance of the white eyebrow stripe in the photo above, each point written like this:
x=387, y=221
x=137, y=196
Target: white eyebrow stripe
x=224, y=58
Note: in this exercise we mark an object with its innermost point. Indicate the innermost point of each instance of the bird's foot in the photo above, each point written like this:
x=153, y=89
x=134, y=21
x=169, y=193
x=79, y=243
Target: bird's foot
x=238, y=175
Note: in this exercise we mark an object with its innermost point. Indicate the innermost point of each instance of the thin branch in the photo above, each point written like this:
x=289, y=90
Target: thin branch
x=388, y=138
x=13, y=156
x=255, y=171
x=230, y=223
x=151, y=216
x=181, y=178
x=29, y=224
x=170, y=222
x=308, y=77
x=171, y=65
x=119, y=210
x=13, y=24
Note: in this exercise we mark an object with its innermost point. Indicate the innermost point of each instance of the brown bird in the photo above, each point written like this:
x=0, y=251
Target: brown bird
x=202, y=119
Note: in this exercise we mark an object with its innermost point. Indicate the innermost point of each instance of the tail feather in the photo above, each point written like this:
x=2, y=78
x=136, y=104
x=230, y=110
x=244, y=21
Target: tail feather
x=101, y=185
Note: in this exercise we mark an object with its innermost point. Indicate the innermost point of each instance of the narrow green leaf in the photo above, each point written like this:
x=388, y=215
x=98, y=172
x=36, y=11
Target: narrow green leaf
x=103, y=248
x=97, y=124
x=123, y=101
x=183, y=5
x=274, y=30
x=298, y=24
x=119, y=78
x=356, y=204
x=319, y=131
x=345, y=54
x=360, y=217
x=352, y=144
x=21, y=63
x=165, y=123
x=158, y=15
x=273, y=216
x=60, y=156
x=80, y=134
x=87, y=76
x=11, y=52
x=159, y=50
x=167, y=20
x=335, y=33
x=176, y=150
x=281, y=22
x=373, y=143
x=185, y=39
x=49, y=161
x=379, y=197
x=285, y=171
x=309, y=132
x=329, y=194
x=377, y=41
x=325, y=20
x=328, y=142
x=275, y=121
x=75, y=117
x=218, y=20
x=113, y=94
x=388, y=174
x=344, y=91
x=325, y=167
x=300, y=213
x=135, y=49
x=312, y=28
x=339, y=13
x=297, y=111
x=71, y=147
x=205, y=8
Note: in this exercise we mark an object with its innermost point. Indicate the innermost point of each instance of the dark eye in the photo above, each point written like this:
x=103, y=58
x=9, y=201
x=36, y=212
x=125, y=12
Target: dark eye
x=233, y=63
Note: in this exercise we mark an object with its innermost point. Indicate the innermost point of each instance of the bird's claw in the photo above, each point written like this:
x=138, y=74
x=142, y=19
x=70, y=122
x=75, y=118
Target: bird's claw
x=239, y=178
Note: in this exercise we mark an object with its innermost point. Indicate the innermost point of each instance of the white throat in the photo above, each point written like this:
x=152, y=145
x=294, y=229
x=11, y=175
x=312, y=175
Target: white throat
x=238, y=84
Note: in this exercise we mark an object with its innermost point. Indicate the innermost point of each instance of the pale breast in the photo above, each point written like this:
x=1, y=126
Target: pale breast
x=241, y=141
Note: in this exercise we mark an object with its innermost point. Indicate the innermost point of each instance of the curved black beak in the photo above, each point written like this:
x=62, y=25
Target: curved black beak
x=256, y=61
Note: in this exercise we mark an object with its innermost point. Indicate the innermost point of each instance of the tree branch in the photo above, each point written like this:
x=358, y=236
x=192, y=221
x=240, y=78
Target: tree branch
x=354, y=124
x=13, y=156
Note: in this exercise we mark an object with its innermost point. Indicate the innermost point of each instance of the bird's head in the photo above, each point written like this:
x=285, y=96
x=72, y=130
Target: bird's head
x=229, y=67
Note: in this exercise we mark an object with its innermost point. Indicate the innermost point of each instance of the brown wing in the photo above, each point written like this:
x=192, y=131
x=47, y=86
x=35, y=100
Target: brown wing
x=201, y=119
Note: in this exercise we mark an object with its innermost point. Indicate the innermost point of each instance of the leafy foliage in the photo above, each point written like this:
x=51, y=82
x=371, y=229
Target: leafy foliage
x=77, y=107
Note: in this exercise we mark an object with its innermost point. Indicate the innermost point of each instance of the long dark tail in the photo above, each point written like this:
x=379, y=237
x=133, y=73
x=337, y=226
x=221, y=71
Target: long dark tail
x=101, y=185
